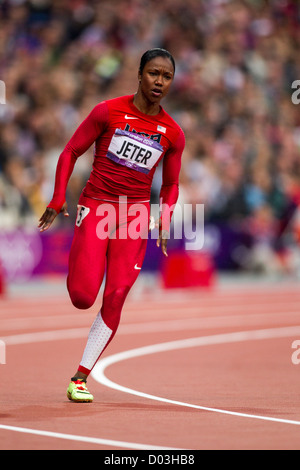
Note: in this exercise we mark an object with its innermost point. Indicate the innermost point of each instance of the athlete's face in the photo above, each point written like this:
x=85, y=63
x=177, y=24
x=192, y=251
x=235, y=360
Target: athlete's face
x=156, y=78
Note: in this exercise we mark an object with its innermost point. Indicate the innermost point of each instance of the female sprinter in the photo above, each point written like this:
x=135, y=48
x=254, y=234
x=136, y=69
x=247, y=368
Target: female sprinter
x=132, y=134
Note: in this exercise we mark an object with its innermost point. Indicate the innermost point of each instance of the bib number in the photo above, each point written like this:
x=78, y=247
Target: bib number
x=134, y=151
x=82, y=212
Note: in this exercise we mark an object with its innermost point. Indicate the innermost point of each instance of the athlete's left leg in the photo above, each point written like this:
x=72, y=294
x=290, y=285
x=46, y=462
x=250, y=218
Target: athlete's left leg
x=124, y=262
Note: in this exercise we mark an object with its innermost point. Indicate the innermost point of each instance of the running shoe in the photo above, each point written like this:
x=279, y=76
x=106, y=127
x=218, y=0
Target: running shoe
x=78, y=392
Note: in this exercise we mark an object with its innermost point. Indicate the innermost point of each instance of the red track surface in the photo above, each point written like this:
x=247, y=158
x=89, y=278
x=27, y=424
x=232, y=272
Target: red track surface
x=227, y=391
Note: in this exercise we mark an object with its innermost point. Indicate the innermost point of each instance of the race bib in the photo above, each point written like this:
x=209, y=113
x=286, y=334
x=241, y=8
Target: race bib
x=82, y=212
x=134, y=151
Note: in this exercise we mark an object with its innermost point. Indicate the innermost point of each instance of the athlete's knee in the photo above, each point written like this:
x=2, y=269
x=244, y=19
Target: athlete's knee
x=81, y=296
x=112, y=306
x=118, y=296
x=81, y=299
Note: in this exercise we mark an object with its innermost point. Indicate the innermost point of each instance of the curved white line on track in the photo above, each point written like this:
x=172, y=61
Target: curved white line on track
x=89, y=440
x=98, y=372
x=104, y=363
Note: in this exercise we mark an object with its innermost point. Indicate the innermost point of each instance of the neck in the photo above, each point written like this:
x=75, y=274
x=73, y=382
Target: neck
x=144, y=105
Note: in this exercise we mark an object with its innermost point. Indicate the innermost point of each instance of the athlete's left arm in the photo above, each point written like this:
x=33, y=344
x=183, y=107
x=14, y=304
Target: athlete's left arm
x=170, y=176
x=170, y=186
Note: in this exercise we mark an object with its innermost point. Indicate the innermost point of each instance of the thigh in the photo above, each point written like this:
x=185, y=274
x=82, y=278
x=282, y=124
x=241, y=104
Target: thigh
x=125, y=255
x=124, y=263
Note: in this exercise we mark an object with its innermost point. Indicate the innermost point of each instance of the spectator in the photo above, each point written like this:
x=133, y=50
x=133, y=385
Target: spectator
x=236, y=61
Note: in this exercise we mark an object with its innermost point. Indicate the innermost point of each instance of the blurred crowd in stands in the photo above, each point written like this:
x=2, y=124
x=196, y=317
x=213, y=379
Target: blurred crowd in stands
x=235, y=65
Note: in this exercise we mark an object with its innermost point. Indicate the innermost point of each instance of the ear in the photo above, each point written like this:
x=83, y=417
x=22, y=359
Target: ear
x=139, y=76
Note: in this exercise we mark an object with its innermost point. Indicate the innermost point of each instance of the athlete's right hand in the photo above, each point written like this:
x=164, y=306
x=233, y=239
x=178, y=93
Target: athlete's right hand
x=49, y=215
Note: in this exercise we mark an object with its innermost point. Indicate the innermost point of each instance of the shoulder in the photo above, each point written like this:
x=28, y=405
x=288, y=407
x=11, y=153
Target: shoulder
x=170, y=121
x=178, y=136
x=118, y=102
x=113, y=103
x=104, y=110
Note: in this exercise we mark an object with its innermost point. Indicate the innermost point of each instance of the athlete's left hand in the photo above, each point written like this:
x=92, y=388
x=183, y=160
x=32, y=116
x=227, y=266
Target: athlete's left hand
x=163, y=241
x=49, y=215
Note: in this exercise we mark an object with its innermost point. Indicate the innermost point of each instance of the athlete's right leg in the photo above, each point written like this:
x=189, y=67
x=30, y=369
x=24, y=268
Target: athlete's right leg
x=124, y=261
x=87, y=262
x=87, y=256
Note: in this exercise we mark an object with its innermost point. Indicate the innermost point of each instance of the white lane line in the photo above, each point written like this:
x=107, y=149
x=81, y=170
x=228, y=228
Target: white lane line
x=198, y=305
x=54, y=336
x=41, y=336
x=148, y=327
x=214, y=314
x=90, y=440
x=98, y=372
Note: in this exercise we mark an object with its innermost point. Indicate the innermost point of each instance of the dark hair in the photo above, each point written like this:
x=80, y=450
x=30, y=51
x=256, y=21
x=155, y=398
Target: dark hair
x=156, y=52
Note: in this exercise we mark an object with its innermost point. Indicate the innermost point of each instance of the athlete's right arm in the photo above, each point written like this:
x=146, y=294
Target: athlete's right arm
x=88, y=131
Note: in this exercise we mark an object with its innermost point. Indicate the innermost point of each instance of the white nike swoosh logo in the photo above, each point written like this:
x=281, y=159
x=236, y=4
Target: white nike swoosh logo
x=136, y=267
x=129, y=117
